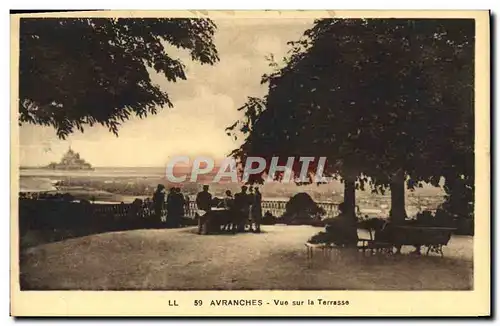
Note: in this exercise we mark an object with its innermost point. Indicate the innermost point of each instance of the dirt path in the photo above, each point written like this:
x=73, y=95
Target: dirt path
x=180, y=259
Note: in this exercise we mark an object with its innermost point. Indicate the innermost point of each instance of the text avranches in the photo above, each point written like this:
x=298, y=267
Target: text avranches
x=236, y=302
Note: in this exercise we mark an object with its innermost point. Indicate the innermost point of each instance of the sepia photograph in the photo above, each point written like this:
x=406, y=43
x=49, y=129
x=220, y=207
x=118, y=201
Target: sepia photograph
x=232, y=152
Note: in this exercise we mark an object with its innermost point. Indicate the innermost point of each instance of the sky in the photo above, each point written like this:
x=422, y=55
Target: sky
x=204, y=104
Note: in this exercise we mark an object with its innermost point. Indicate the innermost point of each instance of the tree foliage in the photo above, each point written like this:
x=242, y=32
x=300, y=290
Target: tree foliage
x=302, y=207
x=77, y=72
x=377, y=97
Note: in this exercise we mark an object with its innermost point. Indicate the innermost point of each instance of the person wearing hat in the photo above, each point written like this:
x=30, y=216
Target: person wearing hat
x=159, y=201
x=204, y=204
x=242, y=208
x=256, y=210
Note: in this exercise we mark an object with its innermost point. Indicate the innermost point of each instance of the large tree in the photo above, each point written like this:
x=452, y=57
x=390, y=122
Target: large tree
x=75, y=72
x=391, y=99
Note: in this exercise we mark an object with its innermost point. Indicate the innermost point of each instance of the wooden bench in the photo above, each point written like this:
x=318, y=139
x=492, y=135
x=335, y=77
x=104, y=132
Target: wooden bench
x=370, y=245
x=384, y=241
x=434, y=238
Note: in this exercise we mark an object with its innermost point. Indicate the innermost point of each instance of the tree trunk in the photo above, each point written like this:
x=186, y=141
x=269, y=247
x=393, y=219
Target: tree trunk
x=398, y=211
x=350, y=196
x=350, y=233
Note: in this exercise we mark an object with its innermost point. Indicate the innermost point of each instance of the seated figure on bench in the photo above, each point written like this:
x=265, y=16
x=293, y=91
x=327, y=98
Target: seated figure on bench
x=342, y=229
x=388, y=233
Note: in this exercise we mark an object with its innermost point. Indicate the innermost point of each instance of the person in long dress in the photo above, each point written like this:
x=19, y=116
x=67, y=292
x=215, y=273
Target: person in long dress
x=257, y=209
x=229, y=218
x=159, y=202
x=171, y=207
x=178, y=207
x=242, y=208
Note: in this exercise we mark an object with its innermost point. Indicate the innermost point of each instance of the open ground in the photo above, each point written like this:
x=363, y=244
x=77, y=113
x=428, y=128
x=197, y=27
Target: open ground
x=179, y=259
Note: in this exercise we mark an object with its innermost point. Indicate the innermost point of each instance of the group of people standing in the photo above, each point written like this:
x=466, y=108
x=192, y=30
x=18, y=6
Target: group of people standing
x=244, y=207
x=175, y=205
x=248, y=205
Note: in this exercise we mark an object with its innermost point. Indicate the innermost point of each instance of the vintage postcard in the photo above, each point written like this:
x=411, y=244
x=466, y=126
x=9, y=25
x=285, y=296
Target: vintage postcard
x=250, y=163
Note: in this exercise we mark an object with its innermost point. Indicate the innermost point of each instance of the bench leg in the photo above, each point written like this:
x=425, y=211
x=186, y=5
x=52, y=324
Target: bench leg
x=435, y=248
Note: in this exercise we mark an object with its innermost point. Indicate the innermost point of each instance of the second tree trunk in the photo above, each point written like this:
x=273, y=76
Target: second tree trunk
x=398, y=211
x=350, y=196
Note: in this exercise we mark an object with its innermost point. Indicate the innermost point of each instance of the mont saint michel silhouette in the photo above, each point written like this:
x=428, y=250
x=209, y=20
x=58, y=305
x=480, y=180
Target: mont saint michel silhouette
x=71, y=161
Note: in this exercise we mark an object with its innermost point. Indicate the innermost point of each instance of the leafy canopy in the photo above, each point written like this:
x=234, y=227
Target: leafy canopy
x=77, y=72
x=375, y=96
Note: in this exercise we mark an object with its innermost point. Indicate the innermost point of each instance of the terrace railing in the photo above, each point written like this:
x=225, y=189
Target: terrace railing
x=36, y=213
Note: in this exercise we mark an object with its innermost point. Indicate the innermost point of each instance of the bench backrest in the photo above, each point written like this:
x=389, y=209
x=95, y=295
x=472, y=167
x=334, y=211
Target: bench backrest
x=401, y=235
